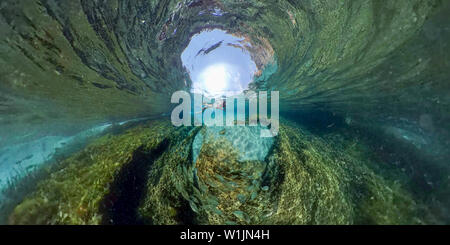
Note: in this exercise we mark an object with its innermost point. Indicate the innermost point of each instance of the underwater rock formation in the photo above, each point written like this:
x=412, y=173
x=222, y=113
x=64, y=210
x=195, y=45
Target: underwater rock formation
x=84, y=188
x=304, y=180
x=120, y=59
x=363, y=86
x=246, y=140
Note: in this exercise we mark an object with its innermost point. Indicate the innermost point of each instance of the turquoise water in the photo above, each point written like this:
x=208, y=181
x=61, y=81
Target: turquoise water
x=86, y=135
x=246, y=139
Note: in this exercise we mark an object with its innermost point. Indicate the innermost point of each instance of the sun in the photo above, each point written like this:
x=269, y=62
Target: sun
x=215, y=79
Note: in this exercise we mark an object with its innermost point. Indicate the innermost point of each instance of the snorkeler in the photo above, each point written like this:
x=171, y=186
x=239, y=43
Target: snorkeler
x=206, y=106
x=220, y=106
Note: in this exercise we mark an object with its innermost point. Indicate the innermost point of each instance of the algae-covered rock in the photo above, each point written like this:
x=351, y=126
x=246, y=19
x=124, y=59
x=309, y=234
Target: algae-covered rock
x=305, y=180
x=69, y=65
x=210, y=191
x=147, y=175
x=81, y=62
x=81, y=189
x=170, y=180
x=228, y=184
x=323, y=184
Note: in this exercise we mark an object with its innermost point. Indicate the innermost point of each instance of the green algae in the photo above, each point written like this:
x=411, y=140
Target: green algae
x=97, y=60
x=337, y=187
x=170, y=182
x=71, y=65
x=81, y=62
x=75, y=192
x=305, y=180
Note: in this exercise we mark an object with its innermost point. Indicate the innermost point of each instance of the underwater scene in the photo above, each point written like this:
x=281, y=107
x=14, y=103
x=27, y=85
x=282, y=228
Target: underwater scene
x=224, y=112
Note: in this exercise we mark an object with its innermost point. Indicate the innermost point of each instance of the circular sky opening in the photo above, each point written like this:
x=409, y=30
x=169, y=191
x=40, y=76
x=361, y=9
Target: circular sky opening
x=218, y=63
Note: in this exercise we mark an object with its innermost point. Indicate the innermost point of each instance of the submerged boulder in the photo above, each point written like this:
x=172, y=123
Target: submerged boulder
x=322, y=183
x=304, y=180
x=170, y=182
x=246, y=140
x=83, y=188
